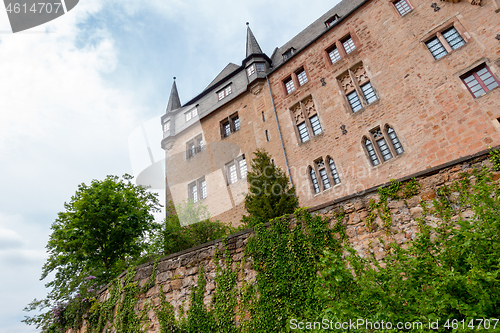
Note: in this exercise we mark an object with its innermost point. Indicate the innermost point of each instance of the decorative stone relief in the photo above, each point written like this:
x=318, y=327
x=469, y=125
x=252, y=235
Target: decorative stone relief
x=346, y=82
x=297, y=113
x=303, y=109
x=256, y=89
x=472, y=2
x=309, y=107
x=359, y=73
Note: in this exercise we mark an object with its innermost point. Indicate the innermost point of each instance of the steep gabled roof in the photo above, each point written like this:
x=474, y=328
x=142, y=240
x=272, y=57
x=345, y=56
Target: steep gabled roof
x=225, y=72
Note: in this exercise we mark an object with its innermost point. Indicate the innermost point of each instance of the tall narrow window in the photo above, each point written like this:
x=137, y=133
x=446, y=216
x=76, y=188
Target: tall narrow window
x=382, y=144
x=251, y=70
x=357, y=87
x=302, y=77
x=334, y=172
x=306, y=119
x=371, y=152
x=395, y=141
x=314, y=181
x=354, y=101
x=267, y=135
x=323, y=175
x=289, y=86
x=315, y=125
x=194, y=147
x=334, y=55
x=480, y=80
x=303, y=133
x=243, y=167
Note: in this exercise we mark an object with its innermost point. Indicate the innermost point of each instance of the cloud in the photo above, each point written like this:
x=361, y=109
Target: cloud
x=9, y=239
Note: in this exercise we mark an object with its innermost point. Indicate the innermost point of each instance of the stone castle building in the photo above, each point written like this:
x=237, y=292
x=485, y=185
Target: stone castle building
x=371, y=91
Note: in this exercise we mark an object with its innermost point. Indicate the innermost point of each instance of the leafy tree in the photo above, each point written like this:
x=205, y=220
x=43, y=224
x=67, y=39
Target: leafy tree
x=102, y=230
x=270, y=192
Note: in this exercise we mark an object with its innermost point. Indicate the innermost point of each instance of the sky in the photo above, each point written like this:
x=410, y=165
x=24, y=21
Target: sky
x=75, y=91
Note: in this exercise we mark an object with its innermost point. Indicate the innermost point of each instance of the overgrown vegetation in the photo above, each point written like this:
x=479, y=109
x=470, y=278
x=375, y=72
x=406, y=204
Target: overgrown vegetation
x=307, y=271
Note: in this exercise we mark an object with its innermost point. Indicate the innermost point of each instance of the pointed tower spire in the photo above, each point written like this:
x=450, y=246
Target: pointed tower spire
x=174, y=102
x=252, y=45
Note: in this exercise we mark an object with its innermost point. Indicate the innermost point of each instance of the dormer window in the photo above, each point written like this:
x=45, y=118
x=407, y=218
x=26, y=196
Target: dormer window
x=288, y=54
x=331, y=21
x=261, y=67
x=224, y=92
x=191, y=114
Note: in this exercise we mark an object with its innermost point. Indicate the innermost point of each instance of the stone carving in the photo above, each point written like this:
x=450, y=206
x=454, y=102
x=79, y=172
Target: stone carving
x=346, y=82
x=309, y=107
x=297, y=113
x=472, y=2
x=360, y=74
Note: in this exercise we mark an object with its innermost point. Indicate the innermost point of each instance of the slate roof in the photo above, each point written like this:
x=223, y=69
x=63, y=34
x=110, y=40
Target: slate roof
x=253, y=46
x=174, y=102
x=314, y=30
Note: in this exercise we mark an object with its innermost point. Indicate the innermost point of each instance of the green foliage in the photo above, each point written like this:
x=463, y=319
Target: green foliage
x=495, y=159
x=270, y=194
x=102, y=230
x=449, y=272
x=171, y=237
x=411, y=188
x=287, y=264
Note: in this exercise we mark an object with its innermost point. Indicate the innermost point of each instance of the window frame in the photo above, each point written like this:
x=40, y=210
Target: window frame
x=224, y=92
x=233, y=121
x=289, y=85
x=479, y=80
x=315, y=173
x=438, y=35
x=301, y=75
x=302, y=114
x=196, y=188
x=404, y=11
x=339, y=46
x=352, y=83
x=385, y=136
x=241, y=169
x=194, y=146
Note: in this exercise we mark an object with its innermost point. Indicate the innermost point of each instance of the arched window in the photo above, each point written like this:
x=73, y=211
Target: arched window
x=314, y=180
x=333, y=170
x=382, y=145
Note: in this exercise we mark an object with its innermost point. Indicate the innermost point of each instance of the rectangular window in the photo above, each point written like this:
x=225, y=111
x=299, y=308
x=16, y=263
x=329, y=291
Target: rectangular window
x=334, y=55
x=290, y=87
x=436, y=48
x=188, y=116
x=402, y=6
x=369, y=93
x=236, y=169
x=224, y=92
x=267, y=135
x=302, y=77
x=348, y=45
x=197, y=190
x=166, y=126
x=194, y=147
x=315, y=125
x=354, y=101
x=480, y=80
x=230, y=125
x=304, y=135
x=288, y=54
x=453, y=38
x=260, y=67
x=445, y=42
x=250, y=70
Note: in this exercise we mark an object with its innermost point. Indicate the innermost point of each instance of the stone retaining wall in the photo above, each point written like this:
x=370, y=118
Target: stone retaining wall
x=177, y=273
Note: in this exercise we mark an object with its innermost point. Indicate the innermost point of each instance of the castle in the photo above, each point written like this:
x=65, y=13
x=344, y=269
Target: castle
x=371, y=91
